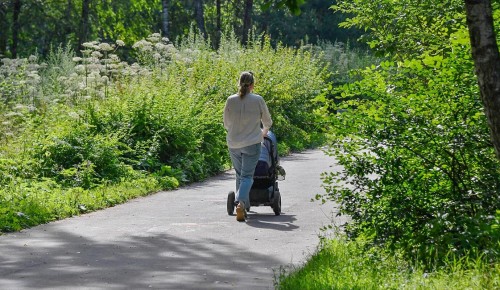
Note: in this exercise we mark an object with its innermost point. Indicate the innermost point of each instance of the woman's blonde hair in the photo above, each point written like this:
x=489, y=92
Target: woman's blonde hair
x=246, y=80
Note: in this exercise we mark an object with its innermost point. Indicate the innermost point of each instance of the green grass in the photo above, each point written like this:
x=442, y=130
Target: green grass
x=24, y=205
x=341, y=264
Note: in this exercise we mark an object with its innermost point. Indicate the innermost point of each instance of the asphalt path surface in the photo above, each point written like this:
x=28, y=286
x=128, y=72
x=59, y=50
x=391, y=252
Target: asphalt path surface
x=181, y=239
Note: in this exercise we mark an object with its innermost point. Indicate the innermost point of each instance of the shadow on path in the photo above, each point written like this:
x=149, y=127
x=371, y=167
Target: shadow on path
x=158, y=261
x=281, y=222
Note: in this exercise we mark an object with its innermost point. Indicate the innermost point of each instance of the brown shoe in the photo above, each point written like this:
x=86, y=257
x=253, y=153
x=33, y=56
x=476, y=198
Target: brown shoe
x=240, y=212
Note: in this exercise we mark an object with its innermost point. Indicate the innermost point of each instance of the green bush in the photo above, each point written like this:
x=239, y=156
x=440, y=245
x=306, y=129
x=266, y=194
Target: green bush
x=420, y=173
x=78, y=125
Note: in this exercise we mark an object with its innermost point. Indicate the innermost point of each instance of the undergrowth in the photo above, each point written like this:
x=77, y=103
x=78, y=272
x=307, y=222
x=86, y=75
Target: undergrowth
x=84, y=132
x=342, y=264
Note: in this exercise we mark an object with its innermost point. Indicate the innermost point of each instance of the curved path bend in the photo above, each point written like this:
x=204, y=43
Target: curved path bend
x=181, y=239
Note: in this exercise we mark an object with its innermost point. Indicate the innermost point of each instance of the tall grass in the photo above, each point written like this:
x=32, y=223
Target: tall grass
x=342, y=264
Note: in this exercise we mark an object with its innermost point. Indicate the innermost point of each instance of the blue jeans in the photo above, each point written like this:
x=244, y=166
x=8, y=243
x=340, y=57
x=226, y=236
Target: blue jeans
x=244, y=161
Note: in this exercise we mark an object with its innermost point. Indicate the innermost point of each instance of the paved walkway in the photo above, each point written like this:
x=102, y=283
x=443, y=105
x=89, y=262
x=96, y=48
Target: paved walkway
x=181, y=239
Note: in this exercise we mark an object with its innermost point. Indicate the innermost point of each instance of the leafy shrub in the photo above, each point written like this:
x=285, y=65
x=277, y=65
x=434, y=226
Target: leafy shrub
x=419, y=172
x=95, y=123
x=78, y=158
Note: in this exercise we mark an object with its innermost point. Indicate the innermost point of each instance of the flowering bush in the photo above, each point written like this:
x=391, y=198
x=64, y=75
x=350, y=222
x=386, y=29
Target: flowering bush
x=94, y=120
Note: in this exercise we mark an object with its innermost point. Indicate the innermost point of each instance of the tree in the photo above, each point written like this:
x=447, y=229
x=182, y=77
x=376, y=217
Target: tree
x=486, y=59
x=16, y=26
x=200, y=18
x=247, y=21
x=67, y=18
x=4, y=27
x=293, y=5
x=164, y=17
x=218, y=32
x=487, y=62
x=84, y=23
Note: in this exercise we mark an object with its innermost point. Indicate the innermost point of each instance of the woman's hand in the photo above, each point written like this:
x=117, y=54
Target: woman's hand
x=264, y=132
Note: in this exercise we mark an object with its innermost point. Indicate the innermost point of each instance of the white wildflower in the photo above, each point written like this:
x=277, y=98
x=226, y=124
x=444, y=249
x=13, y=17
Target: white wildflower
x=160, y=46
x=87, y=51
x=80, y=68
x=144, y=72
x=155, y=37
x=96, y=54
x=120, y=43
x=114, y=57
x=74, y=115
x=33, y=58
x=77, y=59
x=89, y=44
x=141, y=44
x=171, y=48
x=13, y=114
x=105, y=47
x=94, y=67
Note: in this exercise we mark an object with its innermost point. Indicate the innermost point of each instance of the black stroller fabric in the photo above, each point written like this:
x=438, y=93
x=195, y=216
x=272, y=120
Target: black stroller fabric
x=268, y=157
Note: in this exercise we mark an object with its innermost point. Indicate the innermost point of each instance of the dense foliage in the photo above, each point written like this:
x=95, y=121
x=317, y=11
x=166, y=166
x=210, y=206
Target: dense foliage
x=32, y=26
x=78, y=131
x=420, y=174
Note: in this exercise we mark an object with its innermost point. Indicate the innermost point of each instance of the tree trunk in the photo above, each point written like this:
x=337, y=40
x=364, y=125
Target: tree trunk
x=199, y=16
x=68, y=12
x=247, y=21
x=265, y=24
x=164, y=17
x=84, y=23
x=15, y=27
x=4, y=28
x=487, y=62
x=218, y=28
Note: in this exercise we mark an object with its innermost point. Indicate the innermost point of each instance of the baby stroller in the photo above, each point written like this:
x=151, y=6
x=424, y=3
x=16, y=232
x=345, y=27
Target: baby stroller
x=264, y=189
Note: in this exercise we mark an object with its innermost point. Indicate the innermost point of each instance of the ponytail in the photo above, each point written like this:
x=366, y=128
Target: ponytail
x=246, y=80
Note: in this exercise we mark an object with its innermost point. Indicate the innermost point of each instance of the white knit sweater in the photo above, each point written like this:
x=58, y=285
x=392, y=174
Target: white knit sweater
x=242, y=119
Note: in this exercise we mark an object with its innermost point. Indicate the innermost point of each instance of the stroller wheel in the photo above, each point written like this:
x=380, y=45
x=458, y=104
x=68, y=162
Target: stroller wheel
x=277, y=203
x=230, y=203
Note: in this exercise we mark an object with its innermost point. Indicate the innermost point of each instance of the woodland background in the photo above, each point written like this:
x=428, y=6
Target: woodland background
x=29, y=26
x=103, y=101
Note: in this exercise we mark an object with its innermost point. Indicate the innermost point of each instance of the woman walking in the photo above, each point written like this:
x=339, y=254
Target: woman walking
x=244, y=113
